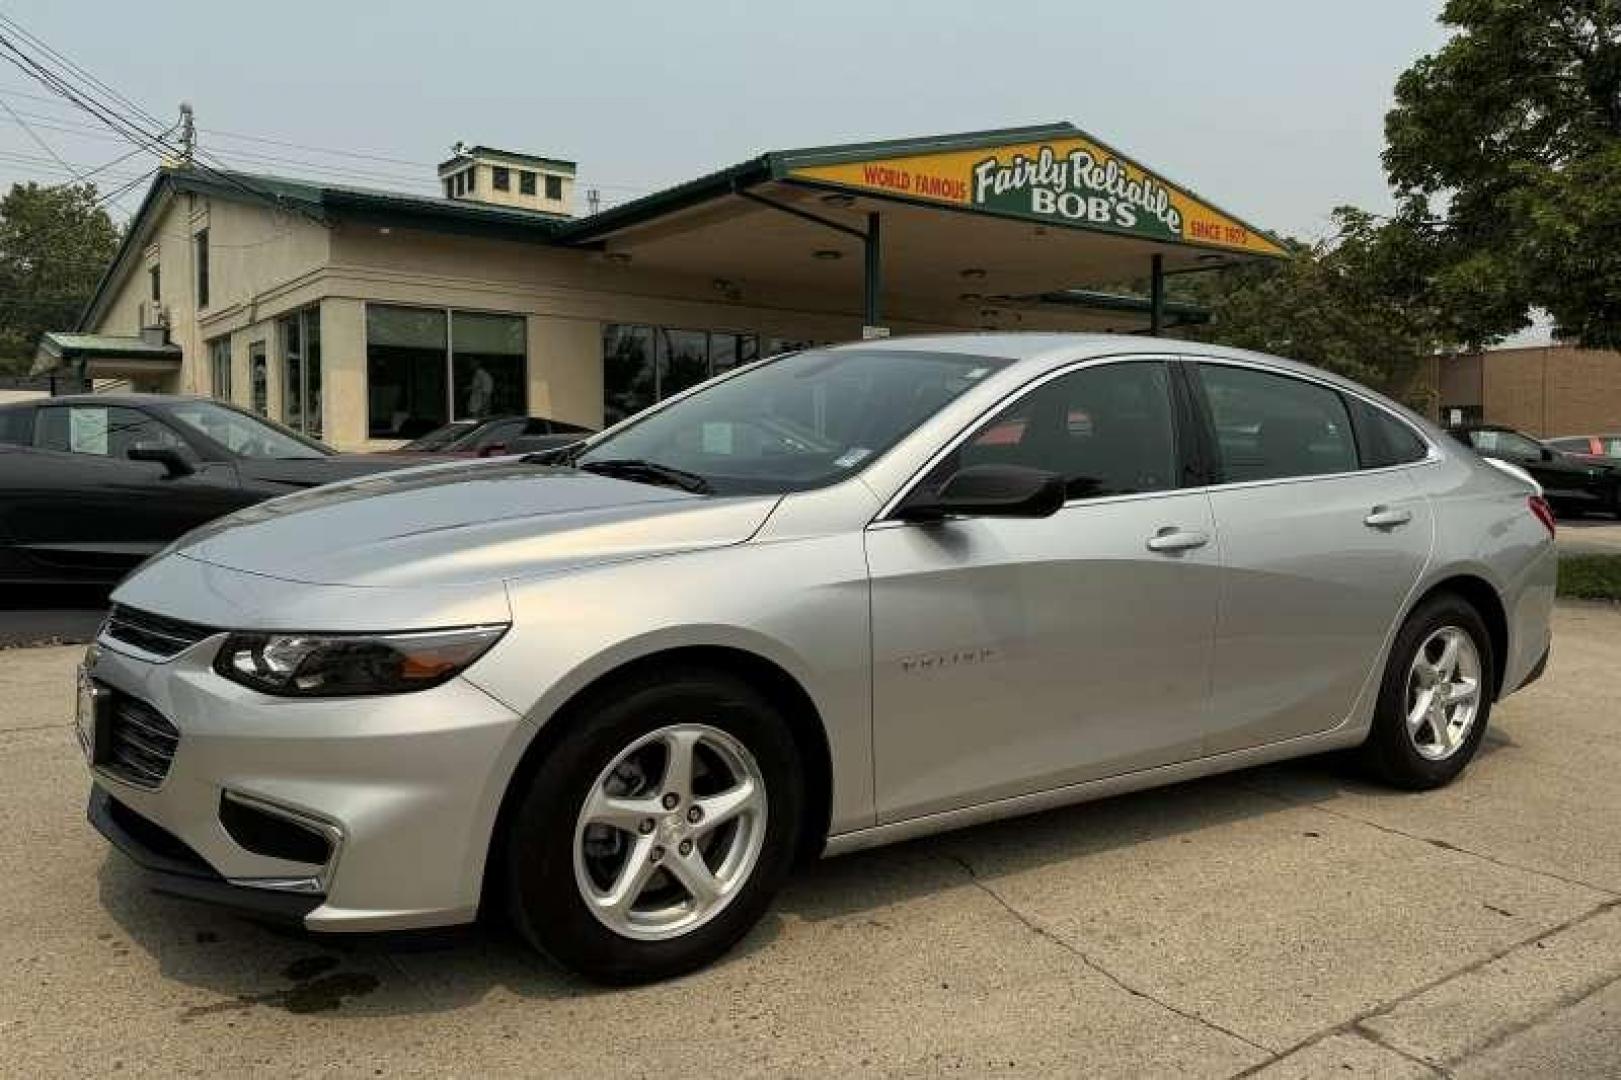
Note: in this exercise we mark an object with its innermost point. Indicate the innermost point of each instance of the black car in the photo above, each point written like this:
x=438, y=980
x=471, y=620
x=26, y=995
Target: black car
x=92, y=484
x=497, y=435
x=1572, y=484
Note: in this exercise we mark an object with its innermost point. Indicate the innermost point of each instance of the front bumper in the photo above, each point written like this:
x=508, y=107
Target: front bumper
x=176, y=870
x=404, y=789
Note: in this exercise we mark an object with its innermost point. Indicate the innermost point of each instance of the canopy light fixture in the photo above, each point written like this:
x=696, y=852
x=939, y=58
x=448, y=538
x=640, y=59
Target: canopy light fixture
x=970, y=297
x=827, y=255
x=619, y=258
x=973, y=273
x=841, y=201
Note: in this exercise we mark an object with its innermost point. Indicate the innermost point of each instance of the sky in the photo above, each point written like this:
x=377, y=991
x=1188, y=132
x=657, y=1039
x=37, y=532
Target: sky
x=1273, y=109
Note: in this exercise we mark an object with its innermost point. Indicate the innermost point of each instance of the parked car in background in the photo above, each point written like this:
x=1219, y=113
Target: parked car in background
x=497, y=435
x=1572, y=483
x=827, y=601
x=1597, y=446
x=92, y=484
x=439, y=438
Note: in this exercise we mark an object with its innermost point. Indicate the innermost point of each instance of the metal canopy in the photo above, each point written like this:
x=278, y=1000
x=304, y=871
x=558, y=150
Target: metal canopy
x=978, y=225
x=103, y=355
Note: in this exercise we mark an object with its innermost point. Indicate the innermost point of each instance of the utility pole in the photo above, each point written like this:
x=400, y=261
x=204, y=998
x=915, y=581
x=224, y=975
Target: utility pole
x=593, y=199
x=188, y=135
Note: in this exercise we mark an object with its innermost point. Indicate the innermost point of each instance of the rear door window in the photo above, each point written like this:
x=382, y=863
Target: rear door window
x=17, y=425
x=1270, y=426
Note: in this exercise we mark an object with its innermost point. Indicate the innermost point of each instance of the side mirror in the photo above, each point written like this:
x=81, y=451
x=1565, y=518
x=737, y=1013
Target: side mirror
x=989, y=491
x=1545, y=453
x=170, y=457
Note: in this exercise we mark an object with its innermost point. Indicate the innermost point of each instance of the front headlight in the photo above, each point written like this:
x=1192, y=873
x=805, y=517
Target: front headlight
x=343, y=665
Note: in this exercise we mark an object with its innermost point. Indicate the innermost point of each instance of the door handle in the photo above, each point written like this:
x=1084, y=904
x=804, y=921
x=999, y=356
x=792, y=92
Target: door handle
x=1171, y=539
x=1387, y=517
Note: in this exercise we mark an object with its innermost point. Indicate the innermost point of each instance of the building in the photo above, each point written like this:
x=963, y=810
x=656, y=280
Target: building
x=367, y=317
x=1545, y=390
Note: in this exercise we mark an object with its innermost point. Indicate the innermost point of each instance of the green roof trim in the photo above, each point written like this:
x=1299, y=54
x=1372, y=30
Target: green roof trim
x=64, y=346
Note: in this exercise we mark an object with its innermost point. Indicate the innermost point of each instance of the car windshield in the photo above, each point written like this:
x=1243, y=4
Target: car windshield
x=244, y=434
x=441, y=437
x=796, y=422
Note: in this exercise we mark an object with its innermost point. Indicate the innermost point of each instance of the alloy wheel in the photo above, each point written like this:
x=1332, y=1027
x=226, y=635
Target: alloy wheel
x=1443, y=693
x=670, y=831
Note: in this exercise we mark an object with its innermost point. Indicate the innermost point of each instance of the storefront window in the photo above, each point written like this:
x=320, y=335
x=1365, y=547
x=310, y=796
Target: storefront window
x=645, y=364
x=683, y=359
x=629, y=383
x=487, y=361
x=300, y=335
x=219, y=363
x=428, y=366
x=406, y=389
x=259, y=378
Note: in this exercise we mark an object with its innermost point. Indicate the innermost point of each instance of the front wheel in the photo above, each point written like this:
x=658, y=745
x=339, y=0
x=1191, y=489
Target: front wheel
x=656, y=831
x=1435, y=698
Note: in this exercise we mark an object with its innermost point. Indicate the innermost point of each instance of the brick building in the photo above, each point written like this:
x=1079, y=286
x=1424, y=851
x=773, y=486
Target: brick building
x=1547, y=390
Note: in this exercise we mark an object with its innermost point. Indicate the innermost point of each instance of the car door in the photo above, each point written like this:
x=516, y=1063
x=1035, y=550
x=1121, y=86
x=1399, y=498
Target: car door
x=1319, y=555
x=102, y=509
x=1017, y=655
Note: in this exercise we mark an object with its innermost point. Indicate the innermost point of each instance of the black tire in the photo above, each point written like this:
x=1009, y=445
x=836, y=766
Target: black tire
x=543, y=900
x=1389, y=752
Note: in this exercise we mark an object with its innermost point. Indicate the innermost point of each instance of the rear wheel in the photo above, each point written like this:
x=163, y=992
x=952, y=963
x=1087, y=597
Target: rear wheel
x=657, y=830
x=1436, y=696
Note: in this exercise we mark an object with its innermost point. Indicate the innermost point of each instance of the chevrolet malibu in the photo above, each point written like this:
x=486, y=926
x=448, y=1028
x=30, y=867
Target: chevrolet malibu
x=831, y=600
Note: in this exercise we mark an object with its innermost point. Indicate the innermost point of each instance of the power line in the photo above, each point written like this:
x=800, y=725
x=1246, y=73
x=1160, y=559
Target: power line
x=121, y=124
x=32, y=134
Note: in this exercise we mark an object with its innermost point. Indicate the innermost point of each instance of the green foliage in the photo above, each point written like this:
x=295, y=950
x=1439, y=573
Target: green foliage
x=1505, y=149
x=1591, y=577
x=55, y=242
x=1353, y=305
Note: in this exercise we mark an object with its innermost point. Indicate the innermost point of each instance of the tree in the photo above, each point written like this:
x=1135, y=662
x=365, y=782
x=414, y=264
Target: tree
x=1354, y=304
x=1504, y=148
x=55, y=242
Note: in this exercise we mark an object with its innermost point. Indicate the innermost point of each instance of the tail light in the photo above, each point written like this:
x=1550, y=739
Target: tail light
x=1539, y=506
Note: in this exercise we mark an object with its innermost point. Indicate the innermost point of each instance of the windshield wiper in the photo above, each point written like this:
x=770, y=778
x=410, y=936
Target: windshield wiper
x=649, y=472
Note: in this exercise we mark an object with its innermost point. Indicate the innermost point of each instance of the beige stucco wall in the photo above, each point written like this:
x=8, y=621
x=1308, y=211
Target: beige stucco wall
x=1552, y=390
x=262, y=262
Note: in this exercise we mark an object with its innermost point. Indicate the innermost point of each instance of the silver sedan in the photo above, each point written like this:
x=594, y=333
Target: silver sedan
x=831, y=600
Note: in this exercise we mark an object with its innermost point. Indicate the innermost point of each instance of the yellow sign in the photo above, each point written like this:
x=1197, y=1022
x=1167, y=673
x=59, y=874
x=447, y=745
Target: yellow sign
x=1069, y=181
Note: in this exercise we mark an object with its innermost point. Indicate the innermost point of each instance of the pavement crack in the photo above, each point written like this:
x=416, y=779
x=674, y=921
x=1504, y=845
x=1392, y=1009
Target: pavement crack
x=1433, y=841
x=1356, y=1024
x=1089, y=962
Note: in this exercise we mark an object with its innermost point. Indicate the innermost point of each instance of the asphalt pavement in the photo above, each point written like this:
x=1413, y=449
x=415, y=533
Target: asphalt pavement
x=1290, y=921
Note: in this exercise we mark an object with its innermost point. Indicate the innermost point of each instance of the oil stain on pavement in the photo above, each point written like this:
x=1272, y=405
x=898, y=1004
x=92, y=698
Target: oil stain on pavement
x=317, y=987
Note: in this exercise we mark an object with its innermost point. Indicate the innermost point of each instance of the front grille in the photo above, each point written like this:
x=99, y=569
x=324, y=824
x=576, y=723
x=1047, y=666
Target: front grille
x=158, y=635
x=140, y=742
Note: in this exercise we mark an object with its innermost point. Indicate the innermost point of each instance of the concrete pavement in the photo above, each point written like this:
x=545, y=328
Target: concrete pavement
x=1590, y=536
x=1292, y=921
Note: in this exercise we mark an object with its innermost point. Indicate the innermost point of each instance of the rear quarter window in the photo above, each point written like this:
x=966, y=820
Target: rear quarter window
x=1383, y=440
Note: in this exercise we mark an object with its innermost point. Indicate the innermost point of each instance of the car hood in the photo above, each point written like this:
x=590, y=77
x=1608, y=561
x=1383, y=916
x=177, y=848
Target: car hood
x=461, y=524
x=314, y=471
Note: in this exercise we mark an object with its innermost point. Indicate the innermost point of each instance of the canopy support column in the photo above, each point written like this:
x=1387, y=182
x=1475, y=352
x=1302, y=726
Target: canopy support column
x=1156, y=297
x=872, y=285
x=873, y=300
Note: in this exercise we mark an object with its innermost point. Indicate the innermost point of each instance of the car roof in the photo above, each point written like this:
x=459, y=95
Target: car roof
x=1034, y=351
